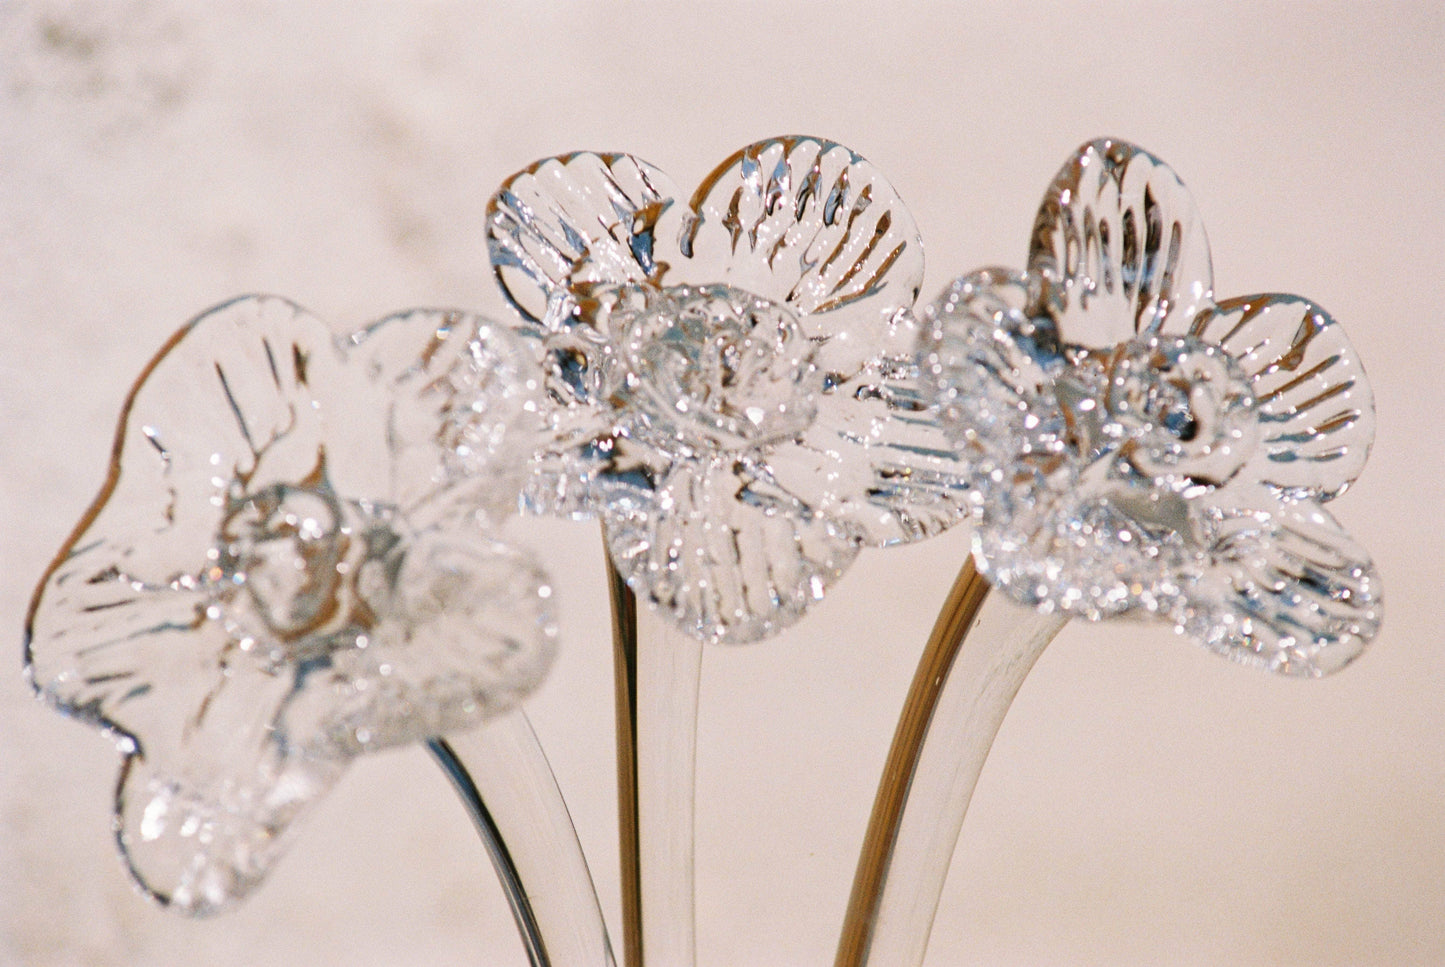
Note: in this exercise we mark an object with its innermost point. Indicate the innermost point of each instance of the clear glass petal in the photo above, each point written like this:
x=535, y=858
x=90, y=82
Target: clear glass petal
x=989, y=359
x=1109, y=483
x=458, y=397
x=201, y=827
x=1120, y=246
x=877, y=456
x=245, y=606
x=1289, y=590
x=1316, y=411
x=601, y=463
x=580, y=218
x=129, y=660
x=727, y=554
x=227, y=402
x=470, y=630
x=991, y=366
x=204, y=804
x=810, y=224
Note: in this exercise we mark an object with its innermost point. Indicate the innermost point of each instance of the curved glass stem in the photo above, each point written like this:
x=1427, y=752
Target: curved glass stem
x=657, y=686
x=506, y=783
x=982, y=647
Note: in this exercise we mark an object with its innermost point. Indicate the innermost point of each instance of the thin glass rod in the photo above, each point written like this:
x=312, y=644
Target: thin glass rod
x=657, y=677
x=981, y=649
x=507, y=786
x=624, y=657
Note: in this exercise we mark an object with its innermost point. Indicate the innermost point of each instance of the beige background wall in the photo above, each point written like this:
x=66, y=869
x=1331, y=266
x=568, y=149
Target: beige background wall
x=1146, y=803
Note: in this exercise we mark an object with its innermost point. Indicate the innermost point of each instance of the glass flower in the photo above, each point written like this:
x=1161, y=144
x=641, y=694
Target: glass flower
x=1137, y=447
x=732, y=377
x=286, y=568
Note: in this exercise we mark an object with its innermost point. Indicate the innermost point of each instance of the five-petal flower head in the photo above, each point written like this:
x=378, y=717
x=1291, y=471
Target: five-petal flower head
x=733, y=381
x=287, y=567
x=1137, y=447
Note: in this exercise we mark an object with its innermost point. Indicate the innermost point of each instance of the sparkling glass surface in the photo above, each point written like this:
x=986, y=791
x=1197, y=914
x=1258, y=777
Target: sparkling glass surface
x=733, y=381
x=721, y=369
x=1136, y=447
x=290, y=564
x=1119, y=246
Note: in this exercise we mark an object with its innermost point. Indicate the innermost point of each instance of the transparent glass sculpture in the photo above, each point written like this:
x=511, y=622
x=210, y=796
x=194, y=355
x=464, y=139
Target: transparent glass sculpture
x=1137, y=447
x=1134, y=448
x=732, y=377
x=295, y=557
x=292, y=562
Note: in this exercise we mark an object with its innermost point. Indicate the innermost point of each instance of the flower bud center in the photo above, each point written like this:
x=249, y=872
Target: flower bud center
x=722, y=367
x=301, y=570
x=1186, y=408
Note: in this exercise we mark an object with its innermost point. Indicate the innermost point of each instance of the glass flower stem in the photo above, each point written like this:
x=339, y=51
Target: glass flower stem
x=657, y=680
x=978, y=655
x=507, y=785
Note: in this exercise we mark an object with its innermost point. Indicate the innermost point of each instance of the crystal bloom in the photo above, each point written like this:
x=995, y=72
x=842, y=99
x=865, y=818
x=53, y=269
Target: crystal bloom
x=1137, y=447
x=733, y=376
x=286, y=568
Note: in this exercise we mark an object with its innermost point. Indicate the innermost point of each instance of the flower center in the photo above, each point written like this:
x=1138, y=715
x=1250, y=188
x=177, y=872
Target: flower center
x=722, y=367
x=1186, y=408
x=301, y=570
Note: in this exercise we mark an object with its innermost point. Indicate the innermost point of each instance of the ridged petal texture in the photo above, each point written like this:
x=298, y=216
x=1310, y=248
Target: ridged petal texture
x=1288, y=588
x=876, y=457
x=1179, y=470
x=811, y=225
x=566, y=236
x=1316, y=412
x=727, y=554
x=1120, y=246
x=279, y=575
x=458, y=400
x=580, y=218
x=757, y=339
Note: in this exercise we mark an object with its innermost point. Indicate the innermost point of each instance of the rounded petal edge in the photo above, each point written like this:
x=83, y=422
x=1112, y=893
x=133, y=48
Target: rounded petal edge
x=460, y=397
x=1290, y=591
x=726, y=554
x=577, y=218
x=1120, y=246
x=199, y=849
x=1315, y=406
x=811, y=224
x=210, y=406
